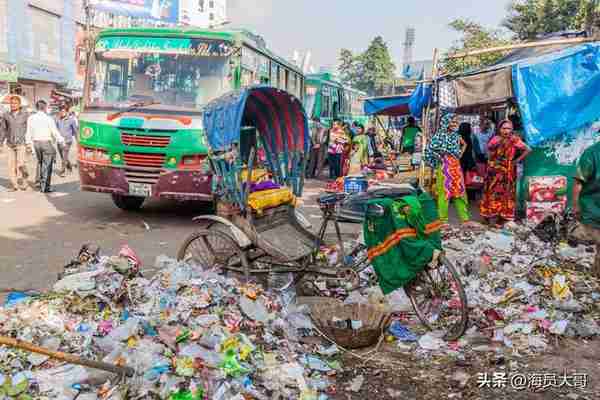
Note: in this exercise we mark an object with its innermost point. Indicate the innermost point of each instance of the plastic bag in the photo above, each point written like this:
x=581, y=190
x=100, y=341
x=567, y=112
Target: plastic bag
x=210, y=358
x=402, y=333
x=125, y=331
x=254, y=310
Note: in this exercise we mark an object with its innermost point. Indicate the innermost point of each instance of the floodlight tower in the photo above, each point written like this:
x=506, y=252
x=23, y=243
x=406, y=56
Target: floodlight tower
x=409, y=43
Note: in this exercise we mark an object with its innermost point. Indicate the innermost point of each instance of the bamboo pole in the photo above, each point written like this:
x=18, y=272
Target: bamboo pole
x=425, y=123
x=520, y=46
x=69, y=358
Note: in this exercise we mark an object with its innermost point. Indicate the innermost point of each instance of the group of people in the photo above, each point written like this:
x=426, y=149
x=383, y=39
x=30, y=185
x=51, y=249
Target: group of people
x=453, y=150
x=503, y=150
x=41, y=135
x=346, y=148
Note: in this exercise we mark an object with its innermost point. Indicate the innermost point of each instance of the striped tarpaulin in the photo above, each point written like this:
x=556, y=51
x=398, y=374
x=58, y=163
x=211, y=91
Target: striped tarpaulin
x=278, y=116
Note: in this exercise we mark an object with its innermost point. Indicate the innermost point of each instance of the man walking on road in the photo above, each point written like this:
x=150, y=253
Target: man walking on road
x=586, y=200
x=41, y=136
x=14, y=126
x=67, y=126
x=318, y=140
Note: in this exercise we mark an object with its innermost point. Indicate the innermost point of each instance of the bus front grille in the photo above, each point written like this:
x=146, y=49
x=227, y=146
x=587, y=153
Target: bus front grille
x=144, y=160
x=142, y=176
x=132, y=139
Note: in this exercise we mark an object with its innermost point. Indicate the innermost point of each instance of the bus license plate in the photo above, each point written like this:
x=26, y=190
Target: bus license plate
x=140, y=189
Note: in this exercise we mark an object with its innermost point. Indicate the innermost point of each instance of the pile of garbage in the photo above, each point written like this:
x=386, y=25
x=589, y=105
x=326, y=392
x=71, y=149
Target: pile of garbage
x=525, y=287
x=522, y=291
x=190, y=334
x=187, y=333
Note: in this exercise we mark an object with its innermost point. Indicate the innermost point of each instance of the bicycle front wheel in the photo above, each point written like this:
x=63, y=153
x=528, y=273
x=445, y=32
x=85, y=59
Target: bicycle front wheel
x=439, y=300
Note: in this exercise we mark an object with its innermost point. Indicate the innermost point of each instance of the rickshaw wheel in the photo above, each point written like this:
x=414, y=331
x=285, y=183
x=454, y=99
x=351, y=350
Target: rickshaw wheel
x=439, y=300
x=212, y=248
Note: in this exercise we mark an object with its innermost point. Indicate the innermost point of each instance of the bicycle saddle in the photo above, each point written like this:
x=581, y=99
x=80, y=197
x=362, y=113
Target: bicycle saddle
x=330, y=198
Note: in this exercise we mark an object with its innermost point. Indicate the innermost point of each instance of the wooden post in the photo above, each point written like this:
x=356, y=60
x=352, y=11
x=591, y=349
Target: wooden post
x=544, y=43
x=69, y=358
x=425, y=135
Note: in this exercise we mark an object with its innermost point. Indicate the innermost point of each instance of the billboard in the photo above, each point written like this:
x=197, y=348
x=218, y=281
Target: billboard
x=159, y=10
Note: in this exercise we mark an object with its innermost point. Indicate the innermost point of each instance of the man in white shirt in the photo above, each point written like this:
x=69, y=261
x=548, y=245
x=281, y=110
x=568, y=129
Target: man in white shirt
x=41, y=136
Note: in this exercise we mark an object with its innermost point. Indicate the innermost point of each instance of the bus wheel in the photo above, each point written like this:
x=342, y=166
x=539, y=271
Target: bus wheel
x=128, y=203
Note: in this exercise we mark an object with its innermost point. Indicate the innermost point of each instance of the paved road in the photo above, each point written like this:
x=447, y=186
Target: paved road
x=40, y=233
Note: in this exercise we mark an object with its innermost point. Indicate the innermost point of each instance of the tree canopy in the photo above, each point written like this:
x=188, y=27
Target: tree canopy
x=473, y=36
x=528, y=19
x=369, y=71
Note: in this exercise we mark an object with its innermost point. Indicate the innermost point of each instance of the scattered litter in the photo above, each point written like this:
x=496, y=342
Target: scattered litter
x=357, y=383
x=402, y=333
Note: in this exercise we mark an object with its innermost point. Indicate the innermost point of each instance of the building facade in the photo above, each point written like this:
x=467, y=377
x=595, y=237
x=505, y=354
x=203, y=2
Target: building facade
x=203, y=13
x=37, y=42
x=41, y=41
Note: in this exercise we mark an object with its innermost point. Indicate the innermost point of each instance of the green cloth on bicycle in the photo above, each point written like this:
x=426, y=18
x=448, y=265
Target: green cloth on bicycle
x=401, y=243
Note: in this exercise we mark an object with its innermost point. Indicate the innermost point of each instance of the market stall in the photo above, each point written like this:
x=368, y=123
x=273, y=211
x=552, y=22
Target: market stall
x=552, y=86
x=392, y=107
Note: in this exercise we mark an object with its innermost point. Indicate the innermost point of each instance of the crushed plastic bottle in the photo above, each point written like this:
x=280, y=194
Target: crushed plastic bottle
x=254, y=310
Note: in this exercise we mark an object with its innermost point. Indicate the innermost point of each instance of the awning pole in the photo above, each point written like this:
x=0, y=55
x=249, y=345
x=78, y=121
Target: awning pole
x=426, y=133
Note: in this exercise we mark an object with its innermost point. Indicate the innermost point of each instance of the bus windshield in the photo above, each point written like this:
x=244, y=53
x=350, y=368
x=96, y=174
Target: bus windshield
x=179, y=79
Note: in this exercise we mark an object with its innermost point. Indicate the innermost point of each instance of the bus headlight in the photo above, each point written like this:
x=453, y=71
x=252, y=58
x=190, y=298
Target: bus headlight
x=87, y=132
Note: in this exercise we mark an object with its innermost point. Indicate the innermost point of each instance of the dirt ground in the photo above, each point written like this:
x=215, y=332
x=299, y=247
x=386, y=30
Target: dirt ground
x=391, y=373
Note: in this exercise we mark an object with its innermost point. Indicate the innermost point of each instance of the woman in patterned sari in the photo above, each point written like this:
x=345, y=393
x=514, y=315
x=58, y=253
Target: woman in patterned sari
x=506, y=150
x=443, y=154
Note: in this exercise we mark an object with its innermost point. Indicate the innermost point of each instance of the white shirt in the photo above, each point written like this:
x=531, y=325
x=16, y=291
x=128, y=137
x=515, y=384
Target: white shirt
x=41, y=127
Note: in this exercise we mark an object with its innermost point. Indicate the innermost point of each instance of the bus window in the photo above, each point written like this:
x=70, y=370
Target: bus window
x=247, y=77
x=274, y=77
x=263, y=69
x=326, y=103
x=287, y=82
x=280, y=77
x=347, y=102
x=309, y=101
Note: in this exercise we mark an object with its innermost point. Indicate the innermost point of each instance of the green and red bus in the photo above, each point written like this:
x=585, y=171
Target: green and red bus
x=141, y=125
x=328, y=99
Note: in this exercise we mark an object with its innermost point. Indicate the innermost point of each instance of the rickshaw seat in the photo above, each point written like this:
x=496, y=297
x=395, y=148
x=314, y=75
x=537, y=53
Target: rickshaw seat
x=265, y=199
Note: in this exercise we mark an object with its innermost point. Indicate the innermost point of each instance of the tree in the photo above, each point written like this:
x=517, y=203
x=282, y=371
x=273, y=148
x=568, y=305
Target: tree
x=529, y=19
x=347, y=67
x=473, y=36
x=376, y=66
x=370, y=71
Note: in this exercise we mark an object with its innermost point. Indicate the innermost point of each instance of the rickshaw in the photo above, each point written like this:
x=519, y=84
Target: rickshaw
x=258, y=141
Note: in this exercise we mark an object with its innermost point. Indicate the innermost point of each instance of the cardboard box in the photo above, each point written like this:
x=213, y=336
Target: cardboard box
x=537, y=211
x=547, y=189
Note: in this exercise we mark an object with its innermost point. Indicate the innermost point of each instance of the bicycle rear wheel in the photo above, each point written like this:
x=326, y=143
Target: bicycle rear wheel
x=212, y=248
x=439, y=300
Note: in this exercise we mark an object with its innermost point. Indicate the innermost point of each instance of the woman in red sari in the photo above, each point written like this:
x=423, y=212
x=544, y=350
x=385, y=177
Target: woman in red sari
x=506, y=150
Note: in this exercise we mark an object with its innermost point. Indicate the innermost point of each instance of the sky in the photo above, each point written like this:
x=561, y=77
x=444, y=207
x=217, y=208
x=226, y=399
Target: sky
x=326, y=26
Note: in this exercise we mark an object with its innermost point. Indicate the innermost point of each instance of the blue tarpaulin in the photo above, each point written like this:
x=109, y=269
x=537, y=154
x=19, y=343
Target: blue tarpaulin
x=558, y=92
x=397, y=106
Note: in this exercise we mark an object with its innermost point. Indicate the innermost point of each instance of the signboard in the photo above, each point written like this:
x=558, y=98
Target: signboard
x=41, y=72
x=197, y=47
x=8, y=72
x=160, y=10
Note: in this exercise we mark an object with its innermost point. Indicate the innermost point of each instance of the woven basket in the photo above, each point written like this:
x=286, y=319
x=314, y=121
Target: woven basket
x=374, y=322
